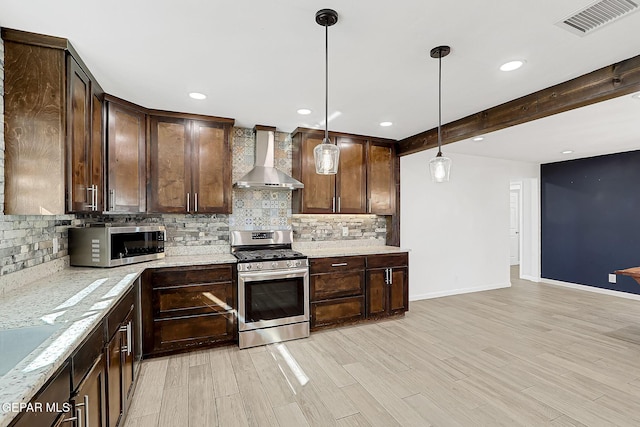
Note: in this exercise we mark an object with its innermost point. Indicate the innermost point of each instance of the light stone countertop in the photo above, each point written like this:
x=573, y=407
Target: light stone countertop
x=67, y=305
x=350, y=250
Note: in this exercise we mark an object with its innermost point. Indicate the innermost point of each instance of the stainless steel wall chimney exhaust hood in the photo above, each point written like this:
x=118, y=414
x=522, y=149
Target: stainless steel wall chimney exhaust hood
x=264, y=174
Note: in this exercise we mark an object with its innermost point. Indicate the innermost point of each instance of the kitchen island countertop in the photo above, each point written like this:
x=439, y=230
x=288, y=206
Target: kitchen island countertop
x=59, y=312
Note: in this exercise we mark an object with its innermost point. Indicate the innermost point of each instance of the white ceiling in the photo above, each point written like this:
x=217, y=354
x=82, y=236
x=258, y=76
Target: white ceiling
x=259, y=61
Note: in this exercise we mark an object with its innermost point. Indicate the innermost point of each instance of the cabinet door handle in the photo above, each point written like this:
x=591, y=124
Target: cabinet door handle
x=188, y=197
x=391, y=276
x=85, y=418
x=369, y=205
x=340, y=264
x=339, y=204
x=129, y=338
x=86, y=410
x=387, y=276
x=95, y=197
x=333, y=205
x=112, y=199
x=90, y=196
x=196, y=201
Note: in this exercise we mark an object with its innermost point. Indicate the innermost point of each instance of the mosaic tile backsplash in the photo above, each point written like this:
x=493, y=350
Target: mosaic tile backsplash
x=259, y=209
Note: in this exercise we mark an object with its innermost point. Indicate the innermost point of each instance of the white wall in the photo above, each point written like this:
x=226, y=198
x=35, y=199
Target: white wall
x=458, y=232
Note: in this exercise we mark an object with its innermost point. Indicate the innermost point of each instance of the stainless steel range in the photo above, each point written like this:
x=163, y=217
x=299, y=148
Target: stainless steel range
x=273, y=288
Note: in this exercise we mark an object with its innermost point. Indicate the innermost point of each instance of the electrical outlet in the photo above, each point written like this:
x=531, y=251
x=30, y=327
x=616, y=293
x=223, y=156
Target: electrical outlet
x=345, y=231
x=612, y=278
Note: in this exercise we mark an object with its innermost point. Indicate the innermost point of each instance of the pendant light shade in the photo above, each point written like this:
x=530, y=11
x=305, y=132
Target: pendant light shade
x=326, y=155
x=440, y=166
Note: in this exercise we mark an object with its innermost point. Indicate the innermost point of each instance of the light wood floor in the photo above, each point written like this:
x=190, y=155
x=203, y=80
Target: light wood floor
x=530, y=355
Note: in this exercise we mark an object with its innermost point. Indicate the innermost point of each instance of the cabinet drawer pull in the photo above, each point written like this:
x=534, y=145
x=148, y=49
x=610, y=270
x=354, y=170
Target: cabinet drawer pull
x=69, y=419
x=340, y=264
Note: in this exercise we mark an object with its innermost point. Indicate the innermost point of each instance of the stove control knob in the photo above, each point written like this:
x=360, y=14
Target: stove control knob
x=248, y=266
x=259, y=266
x=274, y=264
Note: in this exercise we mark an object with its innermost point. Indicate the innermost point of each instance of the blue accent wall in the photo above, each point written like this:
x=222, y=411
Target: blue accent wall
x=590, y=220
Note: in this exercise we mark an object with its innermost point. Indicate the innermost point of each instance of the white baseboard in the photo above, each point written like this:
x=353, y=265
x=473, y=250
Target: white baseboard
x=530, y=278
x=460, y=291
x=591, y=289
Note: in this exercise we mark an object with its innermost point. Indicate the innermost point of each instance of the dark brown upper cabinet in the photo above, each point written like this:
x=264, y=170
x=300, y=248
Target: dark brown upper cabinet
x=381, y=178
x=85, y=142
x=365, y=182
x=190, y=164
x=50, y=121
x=126, y=142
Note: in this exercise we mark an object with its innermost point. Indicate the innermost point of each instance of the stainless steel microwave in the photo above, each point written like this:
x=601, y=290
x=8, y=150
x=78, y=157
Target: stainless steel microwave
x=111, y=246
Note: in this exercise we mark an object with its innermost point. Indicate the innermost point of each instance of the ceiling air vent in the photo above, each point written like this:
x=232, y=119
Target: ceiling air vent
x=597, y=15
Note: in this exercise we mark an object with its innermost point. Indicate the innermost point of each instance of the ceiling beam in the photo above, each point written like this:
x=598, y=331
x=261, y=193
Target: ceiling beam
x=615, y=80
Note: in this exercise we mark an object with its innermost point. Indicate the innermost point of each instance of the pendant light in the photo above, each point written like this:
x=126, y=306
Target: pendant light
x=440, y=166
x=326, y=154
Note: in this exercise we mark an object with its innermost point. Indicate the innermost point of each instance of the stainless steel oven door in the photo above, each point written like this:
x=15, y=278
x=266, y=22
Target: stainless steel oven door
x=272, y=298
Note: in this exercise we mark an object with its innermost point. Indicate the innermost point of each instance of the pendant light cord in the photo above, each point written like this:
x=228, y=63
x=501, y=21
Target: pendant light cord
x=326, y=83
x=439, y=103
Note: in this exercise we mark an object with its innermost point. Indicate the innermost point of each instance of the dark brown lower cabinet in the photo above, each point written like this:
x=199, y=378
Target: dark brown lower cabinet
x=337, y=286
x=122, y=355
x=120, y=368
x=353, y=288
x=188, y=307
x=88, y=380
x=90, y=399
x=53, y=401
x=387, y=284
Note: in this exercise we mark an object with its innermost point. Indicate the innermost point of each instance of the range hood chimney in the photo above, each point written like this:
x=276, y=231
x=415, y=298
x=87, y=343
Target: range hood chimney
x=264, y=174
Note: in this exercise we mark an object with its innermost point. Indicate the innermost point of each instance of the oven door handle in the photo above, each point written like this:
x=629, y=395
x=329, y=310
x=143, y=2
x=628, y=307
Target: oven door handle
x=283, y=274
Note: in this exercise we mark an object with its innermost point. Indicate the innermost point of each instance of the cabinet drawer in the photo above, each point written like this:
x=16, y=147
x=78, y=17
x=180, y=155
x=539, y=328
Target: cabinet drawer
x=333, y=264
x=119, y=313
x=84, y=358
x=334, y=285
x=54, y=398
x=337, y=311
x=193, y=299
x=181, y=332
x=167, y=277
x=400, y=259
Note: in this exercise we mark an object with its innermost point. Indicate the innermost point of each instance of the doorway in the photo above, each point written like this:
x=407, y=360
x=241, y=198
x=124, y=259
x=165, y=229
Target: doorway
x=515, y=197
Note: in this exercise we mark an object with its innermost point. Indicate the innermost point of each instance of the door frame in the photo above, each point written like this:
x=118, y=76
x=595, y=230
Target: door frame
x=516, y=186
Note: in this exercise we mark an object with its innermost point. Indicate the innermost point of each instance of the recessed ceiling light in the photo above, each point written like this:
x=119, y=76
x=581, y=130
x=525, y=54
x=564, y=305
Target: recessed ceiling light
x=567, y=152
x=478, y=138
x=304, y=111
x=511, y=65
x=197, y=95
x=385, y=124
